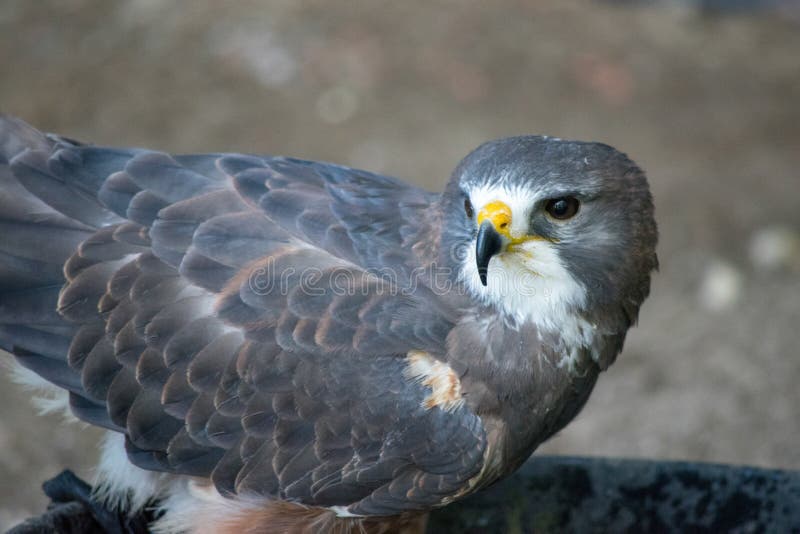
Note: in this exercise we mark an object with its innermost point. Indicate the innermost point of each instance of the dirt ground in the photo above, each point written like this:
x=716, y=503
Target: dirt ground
x=707, y=102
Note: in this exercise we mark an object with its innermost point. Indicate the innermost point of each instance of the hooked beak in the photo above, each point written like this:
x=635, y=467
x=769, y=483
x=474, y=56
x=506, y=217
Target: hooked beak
x=495, y=231
x=494, y=235
x=488, y=244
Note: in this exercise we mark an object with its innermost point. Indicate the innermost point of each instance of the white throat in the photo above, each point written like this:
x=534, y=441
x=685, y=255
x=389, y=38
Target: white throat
x=530, y=283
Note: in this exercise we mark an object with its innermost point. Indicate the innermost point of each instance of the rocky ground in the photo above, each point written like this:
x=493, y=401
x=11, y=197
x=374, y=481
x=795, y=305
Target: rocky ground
x=705, y=101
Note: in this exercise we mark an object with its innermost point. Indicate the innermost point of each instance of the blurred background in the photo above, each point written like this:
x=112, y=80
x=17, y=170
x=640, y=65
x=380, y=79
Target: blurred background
x=704, y=95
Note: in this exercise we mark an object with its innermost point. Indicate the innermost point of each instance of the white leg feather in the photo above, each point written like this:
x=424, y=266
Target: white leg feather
x=47, y=398
x=120, y=484
x=198, y=508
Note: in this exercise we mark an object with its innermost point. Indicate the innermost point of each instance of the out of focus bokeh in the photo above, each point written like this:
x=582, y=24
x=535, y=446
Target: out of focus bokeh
x=704, y=95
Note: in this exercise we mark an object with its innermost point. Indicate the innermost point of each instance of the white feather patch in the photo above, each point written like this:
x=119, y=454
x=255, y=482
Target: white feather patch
x=191, y=507
x=342, y=511
x=440, y=377
x=120, y=484
x=520, y=199
x=48, y=398
x=529, y=283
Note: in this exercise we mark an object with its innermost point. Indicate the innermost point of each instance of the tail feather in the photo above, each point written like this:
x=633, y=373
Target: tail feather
x=48, y=207
x=36, y=339
x=30, y=306
x=57, y=372
x=22, y=273
x=39, y=241
x=17, y=136
x=35, y=171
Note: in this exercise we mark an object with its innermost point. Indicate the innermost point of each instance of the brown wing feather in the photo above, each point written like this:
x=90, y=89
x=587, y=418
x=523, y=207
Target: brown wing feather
x=205, y=322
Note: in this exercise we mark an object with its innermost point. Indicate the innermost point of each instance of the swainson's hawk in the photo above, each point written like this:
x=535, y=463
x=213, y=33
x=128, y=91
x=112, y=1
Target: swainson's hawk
x=277, y=344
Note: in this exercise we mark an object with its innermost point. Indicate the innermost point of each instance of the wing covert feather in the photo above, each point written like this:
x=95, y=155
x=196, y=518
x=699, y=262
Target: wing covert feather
x=200, y=297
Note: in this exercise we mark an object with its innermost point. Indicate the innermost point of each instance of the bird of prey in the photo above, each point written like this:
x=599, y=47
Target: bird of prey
x=280, y=345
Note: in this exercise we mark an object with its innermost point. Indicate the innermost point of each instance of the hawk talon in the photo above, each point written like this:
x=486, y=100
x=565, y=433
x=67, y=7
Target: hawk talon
x=68, y=487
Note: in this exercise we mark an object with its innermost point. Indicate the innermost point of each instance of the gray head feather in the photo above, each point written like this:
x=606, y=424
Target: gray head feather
x=609, y=246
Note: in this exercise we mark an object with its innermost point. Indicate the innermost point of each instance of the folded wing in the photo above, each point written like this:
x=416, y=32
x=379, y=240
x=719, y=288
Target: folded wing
x=232, y=315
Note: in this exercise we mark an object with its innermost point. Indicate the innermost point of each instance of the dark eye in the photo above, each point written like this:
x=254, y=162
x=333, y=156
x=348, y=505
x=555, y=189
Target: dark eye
x=562, y=208
x=468, y=208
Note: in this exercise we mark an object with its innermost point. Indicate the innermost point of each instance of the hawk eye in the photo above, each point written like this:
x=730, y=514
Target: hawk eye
x=562, y=208
x=468, y=208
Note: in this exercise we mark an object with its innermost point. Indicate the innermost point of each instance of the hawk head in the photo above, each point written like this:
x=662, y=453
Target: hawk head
x=552, y=231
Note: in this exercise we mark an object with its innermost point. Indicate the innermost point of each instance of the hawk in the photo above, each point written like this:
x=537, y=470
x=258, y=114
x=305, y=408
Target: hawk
x=280, y=345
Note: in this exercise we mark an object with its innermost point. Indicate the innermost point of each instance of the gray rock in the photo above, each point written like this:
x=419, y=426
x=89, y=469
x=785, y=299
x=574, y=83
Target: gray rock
x=571, y=494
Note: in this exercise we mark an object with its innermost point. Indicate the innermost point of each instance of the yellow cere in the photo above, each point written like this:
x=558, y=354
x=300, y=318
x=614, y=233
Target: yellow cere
x=499, y=214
